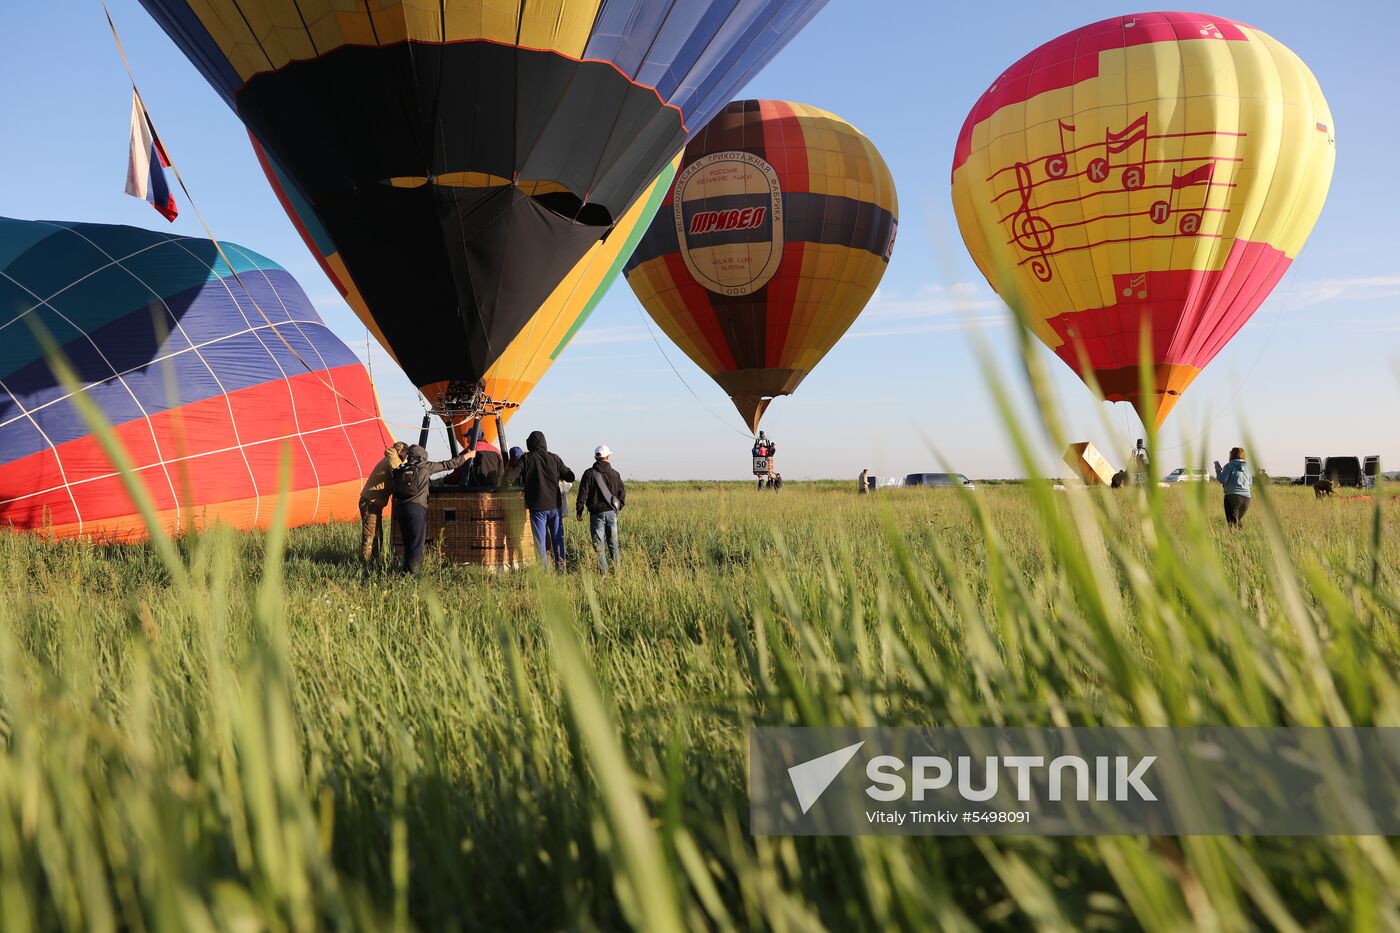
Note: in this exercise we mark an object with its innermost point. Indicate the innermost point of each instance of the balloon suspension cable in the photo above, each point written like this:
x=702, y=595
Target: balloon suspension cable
x=219, y=247
x=697, y=398
x=1283, y=307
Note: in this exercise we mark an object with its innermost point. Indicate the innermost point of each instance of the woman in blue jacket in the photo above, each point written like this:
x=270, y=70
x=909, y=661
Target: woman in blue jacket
x=1235, y=479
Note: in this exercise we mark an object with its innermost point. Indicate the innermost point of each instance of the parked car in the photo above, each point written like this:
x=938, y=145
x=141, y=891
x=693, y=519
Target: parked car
x=1188, y=475
x=938, y=479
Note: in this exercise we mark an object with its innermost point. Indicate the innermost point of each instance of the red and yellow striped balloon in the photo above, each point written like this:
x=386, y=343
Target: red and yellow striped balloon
x=1158, y=172
x=772, y=238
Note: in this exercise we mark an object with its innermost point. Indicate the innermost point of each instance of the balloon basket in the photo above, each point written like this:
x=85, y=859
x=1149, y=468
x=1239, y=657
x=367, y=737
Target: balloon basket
x=488, y=529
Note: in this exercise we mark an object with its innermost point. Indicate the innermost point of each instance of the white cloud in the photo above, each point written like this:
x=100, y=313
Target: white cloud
x=931, y=301
x=940, y=326
x=931, y=309
x=595, y=336
x=1357, y=289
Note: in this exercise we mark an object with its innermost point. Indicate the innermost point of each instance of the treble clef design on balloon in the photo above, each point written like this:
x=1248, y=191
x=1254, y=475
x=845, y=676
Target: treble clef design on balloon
x=1032, y=233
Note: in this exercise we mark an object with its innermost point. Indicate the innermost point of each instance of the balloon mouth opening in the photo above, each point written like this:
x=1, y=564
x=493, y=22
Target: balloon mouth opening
x=571, y=207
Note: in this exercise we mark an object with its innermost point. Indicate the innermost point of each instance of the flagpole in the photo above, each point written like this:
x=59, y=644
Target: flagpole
x=218, y=246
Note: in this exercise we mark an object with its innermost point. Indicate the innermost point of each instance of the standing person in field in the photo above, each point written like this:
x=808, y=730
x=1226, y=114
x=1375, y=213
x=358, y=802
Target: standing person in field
x=410, y=483
x=864, y=481
x=600, y=490
x=1235, y=480
x=540, y=474
x=765, y=447
x=374, y=496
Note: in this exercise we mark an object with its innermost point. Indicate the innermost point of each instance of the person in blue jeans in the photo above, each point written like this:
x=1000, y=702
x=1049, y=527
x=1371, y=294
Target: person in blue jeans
x=1235, y=479
x=600, y=491
x=539, y=474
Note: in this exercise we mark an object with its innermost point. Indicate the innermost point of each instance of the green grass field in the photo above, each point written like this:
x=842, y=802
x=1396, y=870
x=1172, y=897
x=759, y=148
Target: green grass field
x=245, y=732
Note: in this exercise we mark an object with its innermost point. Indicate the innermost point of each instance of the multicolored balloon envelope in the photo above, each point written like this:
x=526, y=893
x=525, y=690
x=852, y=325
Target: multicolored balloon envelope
x=516, y=372
x=1156, y=171
x=772, y=238
x=454, y=162
x=207, y=374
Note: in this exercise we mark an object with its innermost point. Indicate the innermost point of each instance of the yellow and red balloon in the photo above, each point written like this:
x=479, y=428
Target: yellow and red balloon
x=1157, y=172
x=772, y=238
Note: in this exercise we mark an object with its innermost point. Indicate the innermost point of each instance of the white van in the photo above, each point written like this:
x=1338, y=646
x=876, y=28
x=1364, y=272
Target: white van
x=1187, y=475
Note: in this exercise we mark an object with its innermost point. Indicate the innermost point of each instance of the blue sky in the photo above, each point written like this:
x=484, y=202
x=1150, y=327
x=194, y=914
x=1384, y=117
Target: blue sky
x=1317, y=370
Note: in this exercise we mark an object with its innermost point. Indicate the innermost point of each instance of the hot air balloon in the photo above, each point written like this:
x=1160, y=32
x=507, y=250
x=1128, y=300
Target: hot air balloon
x=515, y=372
x=1156, y=171
x=206, y=372
x=771, y=240
x=456, y=161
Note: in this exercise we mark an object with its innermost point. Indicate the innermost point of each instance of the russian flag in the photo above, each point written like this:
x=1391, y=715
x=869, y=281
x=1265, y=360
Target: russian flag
x=146, y=164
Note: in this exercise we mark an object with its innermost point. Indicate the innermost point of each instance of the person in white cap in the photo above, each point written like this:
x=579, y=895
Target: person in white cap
x=600, y=490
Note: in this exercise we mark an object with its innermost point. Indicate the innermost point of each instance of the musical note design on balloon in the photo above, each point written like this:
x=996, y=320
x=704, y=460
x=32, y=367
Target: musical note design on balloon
x=1057, y=165
x=1135, y=171
x=1136, y=283
x=1068, y=216
x=1032, y=233
x=1190, y=223
x=1212, y=31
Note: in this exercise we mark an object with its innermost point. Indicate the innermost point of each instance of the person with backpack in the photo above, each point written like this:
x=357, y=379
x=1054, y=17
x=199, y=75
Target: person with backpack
x=374, y=496
x=541, y=476
x=410, y=482
x=600, y=490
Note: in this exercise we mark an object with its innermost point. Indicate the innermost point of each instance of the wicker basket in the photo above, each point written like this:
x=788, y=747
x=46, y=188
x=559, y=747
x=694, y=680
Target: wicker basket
x=484, y=529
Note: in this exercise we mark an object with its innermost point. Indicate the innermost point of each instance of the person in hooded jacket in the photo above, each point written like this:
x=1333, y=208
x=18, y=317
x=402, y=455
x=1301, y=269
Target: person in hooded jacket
x=539, y=474
x=410, y=484
x=600, y=490
x=485, y=469
x=1235, y=479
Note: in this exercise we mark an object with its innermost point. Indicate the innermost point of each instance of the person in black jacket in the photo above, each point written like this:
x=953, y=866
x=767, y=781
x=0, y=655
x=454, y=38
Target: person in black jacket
x=484, y=472
x=410, y=483
x=539, y=474
x=600, y=490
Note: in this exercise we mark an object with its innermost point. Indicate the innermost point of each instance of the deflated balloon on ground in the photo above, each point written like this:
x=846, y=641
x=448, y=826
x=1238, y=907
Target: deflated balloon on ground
x=210, y=371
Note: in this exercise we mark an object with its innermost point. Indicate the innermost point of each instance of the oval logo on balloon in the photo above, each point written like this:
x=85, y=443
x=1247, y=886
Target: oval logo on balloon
x=729, y=221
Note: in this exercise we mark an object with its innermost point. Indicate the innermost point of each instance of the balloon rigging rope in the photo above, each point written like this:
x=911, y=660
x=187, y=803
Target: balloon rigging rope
x=1283, y=307
x=697, y=398
x=228, y=262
